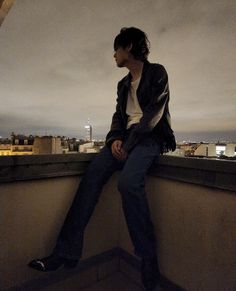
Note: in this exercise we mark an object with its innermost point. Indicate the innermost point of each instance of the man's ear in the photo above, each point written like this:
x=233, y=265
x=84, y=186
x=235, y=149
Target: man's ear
x=129, y=47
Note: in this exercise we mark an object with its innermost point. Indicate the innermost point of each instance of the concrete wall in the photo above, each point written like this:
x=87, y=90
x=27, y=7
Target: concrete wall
x=31, y=215
x=195, y=228
x=192, y=203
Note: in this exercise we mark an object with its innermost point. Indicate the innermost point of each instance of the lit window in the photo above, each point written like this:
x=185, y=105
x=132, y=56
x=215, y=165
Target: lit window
x=220, y=150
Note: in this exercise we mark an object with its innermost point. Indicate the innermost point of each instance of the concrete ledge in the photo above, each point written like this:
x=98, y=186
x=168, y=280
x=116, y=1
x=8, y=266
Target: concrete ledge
x=207, y=172
x=92, y=270
x=21, y=168
x=131, y=267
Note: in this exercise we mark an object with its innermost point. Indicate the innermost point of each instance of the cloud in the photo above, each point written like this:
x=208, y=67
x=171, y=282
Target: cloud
x=57, y=67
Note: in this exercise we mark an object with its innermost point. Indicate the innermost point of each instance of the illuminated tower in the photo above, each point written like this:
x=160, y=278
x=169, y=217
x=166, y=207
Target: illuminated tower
x=88, y=128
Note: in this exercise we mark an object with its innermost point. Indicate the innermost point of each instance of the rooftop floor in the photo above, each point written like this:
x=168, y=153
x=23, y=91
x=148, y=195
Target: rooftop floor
x=116, y=282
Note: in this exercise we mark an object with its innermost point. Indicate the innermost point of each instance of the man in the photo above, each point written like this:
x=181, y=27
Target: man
x=139, y=133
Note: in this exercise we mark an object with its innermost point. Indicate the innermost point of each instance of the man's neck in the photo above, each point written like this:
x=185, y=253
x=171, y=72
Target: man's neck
x=135, y=67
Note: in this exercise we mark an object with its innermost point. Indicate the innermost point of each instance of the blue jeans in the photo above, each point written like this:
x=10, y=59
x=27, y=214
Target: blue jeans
x=131, y=185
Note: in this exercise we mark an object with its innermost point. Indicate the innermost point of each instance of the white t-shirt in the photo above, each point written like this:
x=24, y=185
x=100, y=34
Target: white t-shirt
x=133, y=109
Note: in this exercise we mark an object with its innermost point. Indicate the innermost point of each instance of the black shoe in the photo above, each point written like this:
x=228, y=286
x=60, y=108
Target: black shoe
x=150, y=273
x=52, y=263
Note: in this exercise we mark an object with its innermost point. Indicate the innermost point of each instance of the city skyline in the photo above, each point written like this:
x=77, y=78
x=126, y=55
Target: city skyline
x=57, y=66
x=180, y=136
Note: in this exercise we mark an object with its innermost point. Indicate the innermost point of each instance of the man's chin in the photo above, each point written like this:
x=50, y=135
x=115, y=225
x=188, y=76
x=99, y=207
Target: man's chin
x=119, y=65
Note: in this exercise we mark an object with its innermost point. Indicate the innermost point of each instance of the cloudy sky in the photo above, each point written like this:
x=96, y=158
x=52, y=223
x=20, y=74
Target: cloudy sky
x=57, y=67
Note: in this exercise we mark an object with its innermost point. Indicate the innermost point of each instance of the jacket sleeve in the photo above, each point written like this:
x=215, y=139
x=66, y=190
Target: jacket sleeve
x=117, y=126
x=153, y=111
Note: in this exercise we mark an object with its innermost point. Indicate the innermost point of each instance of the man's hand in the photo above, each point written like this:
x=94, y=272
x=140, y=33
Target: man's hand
x=117, y=150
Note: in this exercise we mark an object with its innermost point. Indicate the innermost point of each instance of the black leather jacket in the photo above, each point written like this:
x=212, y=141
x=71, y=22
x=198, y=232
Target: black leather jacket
x=153, y=97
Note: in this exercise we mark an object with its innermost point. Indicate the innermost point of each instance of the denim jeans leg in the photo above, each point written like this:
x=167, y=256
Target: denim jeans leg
x=131, y=185
x=70, y=240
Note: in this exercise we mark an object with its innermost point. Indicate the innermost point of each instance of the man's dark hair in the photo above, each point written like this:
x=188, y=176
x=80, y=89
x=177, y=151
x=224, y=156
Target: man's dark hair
x=136, y=37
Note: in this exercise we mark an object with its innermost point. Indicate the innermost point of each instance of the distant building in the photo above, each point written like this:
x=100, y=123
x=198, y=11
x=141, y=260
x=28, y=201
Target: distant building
x=91, y=147
x=21, y=144
x=178, y=152
x=89, y=131
x=5, y=147
x=87, y=148
x=206, y=150
x=203, y=149
x=230, y=150
x=185, y=149
x=28, y=145
x=47, y=145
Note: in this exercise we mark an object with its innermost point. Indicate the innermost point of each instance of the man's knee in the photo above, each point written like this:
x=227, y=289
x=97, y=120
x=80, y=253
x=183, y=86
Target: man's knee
x=127, y=184
x=100, y=161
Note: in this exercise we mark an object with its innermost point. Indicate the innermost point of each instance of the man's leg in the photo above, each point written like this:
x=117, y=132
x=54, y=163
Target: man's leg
x=131, y=185
x=70, y=240
x=68, y=249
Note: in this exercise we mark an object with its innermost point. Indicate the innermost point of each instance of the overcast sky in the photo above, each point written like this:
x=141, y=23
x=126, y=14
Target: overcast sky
x=57, y=67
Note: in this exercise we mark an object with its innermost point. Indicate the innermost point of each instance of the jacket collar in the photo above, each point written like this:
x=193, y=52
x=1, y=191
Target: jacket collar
x=128, y=77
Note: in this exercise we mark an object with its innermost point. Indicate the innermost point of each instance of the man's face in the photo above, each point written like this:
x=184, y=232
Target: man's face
x=122, y=56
